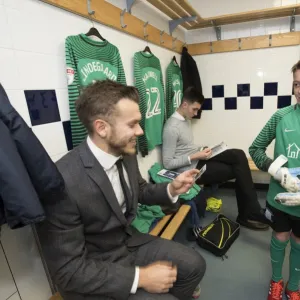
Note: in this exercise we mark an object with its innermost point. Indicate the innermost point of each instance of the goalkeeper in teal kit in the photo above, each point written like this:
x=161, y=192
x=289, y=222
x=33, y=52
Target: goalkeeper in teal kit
x=283, y=199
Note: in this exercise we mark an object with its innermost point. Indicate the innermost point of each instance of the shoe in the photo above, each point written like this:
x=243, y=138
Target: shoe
x=276, y=290
x=197, y=292
x=252, y=224
x=292, y=295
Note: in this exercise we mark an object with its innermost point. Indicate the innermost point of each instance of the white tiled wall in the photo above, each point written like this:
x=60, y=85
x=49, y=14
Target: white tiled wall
x=238, y=128
x=32, y=57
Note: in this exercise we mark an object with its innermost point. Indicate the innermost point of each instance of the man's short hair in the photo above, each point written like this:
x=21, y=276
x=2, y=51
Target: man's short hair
x=98, y=101
x=296, y=67
x=192, y=95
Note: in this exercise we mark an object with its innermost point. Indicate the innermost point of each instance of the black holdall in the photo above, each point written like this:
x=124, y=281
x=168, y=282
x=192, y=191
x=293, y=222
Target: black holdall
x=218, y=236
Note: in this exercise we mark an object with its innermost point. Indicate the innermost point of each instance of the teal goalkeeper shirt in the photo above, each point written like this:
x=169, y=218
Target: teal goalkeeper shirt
x=284, y=127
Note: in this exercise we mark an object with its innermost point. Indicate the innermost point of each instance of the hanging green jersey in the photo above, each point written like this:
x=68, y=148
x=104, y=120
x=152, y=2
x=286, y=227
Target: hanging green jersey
x=284, y=127
x=149, y=82
x=87, y=61
x=174, y=88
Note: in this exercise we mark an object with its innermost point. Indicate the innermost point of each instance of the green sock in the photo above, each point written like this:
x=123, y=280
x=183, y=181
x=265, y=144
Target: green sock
x=294, y=280
x=277, y=251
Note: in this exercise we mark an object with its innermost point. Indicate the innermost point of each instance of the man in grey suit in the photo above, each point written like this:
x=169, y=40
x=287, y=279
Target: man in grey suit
x=91, y=249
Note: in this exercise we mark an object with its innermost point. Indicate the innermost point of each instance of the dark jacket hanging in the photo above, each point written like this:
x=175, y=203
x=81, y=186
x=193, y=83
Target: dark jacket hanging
x=20, y=202
x=190, y=73
x=25, y=155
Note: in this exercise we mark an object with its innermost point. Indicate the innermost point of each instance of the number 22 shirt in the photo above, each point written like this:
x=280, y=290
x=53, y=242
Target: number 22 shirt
x=149, y=82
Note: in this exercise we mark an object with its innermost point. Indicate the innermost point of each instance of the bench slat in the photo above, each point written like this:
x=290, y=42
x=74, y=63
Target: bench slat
x=173, y=226
x=252, y=165
x=160, y=225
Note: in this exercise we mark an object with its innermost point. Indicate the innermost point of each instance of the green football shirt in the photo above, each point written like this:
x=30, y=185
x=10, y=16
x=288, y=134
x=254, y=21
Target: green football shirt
x=87, y=61
x=174, y=88
x=149, y=82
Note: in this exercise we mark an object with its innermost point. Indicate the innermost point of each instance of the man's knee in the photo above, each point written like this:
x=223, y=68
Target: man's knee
x=239, y=154
x=196, y=263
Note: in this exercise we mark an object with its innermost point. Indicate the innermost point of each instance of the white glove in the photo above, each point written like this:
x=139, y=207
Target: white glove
x=288, y=199
x=287, y=181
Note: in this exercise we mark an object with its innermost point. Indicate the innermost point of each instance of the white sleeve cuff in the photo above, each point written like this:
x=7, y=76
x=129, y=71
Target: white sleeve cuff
x=277, y=164
x=173, y=199
x=135, y=281
x=189, y=160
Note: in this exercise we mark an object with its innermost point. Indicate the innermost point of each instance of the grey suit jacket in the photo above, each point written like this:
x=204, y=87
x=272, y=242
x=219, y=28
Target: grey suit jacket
x=87, y=241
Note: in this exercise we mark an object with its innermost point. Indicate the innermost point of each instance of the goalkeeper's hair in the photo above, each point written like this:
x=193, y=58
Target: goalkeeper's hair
x=296, y=67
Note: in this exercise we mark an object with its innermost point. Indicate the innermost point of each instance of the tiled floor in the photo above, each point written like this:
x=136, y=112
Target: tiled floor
x=25, y=266
x=7, y=285
x=246, y=273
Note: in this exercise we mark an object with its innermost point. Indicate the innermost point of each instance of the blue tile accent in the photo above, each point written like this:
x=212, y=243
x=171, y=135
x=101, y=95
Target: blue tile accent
x=257, y=102
x=271, y=88
x=284, y=101
x=230, y=103
x=207, y=105
x=68, y=134
x=218, y=91
x=42, y=106
x=243, y=90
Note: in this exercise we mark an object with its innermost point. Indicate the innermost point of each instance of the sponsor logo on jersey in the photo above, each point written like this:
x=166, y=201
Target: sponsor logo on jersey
x=70, y=75
x=293, y=151
x=97, y=66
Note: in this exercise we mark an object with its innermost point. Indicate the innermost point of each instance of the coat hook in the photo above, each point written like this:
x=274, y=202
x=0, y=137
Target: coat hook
x=145, y=30
x=123, y=25
x=174, y=43
x=161, y=37
x=90, y=11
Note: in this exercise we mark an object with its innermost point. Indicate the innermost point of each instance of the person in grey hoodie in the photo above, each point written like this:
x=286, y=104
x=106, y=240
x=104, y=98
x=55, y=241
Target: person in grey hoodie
x=180, y=154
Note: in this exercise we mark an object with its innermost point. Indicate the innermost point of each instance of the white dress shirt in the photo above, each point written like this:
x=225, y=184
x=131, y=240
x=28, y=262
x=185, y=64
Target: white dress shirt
x=108, y=162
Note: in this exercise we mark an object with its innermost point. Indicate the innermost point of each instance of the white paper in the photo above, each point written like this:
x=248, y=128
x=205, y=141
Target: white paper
x=217, y=149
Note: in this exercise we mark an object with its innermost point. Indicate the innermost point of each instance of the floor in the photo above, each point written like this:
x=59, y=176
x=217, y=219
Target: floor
x=245, y=275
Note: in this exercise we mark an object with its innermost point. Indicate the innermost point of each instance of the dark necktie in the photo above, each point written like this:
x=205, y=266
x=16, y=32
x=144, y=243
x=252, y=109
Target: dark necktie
x=126, y=191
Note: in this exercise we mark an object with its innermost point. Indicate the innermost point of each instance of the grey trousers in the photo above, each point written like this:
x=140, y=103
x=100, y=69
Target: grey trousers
x=190, y=268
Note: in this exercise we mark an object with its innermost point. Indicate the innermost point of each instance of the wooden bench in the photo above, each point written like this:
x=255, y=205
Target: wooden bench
x=252, y=165
x=168, y=225
x=166, y=228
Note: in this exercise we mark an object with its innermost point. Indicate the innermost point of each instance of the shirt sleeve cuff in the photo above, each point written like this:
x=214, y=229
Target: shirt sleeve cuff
x=173, y=199
x=135, y=281
x=189, y=160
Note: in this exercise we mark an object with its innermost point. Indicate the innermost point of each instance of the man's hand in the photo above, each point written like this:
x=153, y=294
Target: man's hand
x=158, y=277
x=183, y=182
x=201, y=155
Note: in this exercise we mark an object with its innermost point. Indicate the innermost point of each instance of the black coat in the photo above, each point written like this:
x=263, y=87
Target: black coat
x=190, y=73
x=27, y=173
